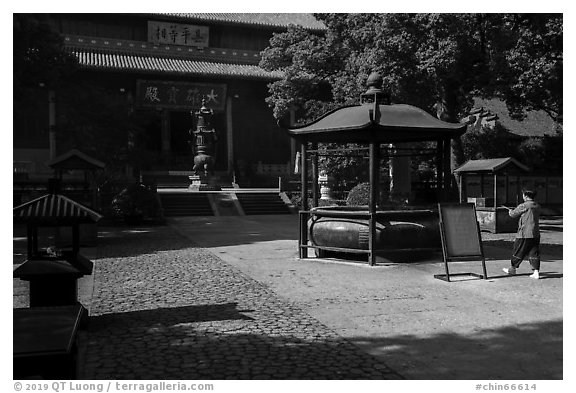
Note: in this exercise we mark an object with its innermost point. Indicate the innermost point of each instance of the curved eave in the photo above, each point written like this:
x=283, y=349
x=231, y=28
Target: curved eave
x=129, y=62
x=397, y=122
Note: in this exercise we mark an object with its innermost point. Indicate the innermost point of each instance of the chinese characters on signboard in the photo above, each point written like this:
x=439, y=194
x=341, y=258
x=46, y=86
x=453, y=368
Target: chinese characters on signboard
x=177, y=34
x=180, y=95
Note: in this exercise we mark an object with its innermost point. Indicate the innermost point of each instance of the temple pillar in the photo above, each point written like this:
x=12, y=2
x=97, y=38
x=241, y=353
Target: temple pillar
x=165, y=131
x=52, y=123
x=229, y=135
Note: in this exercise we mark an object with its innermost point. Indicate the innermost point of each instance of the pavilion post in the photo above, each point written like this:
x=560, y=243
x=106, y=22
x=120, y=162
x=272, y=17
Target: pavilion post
x=374, y=193
x=315, y=175
x=439, y=169
x=303, y=251
x=447, y=169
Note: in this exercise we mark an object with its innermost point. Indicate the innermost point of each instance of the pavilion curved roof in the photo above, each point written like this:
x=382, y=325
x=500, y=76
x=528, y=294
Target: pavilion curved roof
x=384, y=123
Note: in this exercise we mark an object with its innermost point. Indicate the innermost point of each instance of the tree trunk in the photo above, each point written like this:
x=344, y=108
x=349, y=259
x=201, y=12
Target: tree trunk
x=447, y=110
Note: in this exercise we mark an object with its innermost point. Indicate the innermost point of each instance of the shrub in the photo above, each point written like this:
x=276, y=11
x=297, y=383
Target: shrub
x=135, y=203
x=359, y=195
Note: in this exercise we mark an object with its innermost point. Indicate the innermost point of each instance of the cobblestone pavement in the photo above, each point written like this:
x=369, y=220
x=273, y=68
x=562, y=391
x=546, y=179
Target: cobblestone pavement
x=164, y=309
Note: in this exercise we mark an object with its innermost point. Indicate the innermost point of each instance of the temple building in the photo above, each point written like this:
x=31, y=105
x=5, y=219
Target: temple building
x=162, y=66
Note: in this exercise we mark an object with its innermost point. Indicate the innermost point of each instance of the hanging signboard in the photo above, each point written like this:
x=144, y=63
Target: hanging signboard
x=180, y=95
x=177, y=34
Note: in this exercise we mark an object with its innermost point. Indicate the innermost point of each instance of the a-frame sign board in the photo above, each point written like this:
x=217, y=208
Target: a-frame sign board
x=461, y=240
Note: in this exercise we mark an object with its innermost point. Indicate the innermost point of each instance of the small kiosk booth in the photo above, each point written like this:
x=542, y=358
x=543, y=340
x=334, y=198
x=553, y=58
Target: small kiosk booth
x=369, y=230
x=87, y=194
x=491, y=184
x=74, y=160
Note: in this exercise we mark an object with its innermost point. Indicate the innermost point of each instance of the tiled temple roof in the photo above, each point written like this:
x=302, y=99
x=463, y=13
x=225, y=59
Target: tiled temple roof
x=274, y=20
x=100, y=53
x=536, y=123
x=216, y=55
x=120, y=60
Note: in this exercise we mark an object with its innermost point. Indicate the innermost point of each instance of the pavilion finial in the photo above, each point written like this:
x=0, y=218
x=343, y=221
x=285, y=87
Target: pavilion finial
x=374, y=81
x=375, y=93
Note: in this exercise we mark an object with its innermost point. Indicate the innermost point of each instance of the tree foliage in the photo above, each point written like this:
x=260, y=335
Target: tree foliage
x=434, y=61
x=38, y=53
x=488, y=142
x=526, y=56
x=438, y=62
x=91, y=118
x=541, y=154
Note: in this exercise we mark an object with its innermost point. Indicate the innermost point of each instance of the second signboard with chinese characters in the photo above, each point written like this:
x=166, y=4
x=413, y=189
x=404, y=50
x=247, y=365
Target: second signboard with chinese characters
x=180, y=95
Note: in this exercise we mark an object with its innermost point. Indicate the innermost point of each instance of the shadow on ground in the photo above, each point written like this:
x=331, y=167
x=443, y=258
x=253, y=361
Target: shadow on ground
x=114, y=241
x=117, y=242
x=216, y=342
x=219, y=342
x=554, y=250
x=177, y=315
x=524, y=351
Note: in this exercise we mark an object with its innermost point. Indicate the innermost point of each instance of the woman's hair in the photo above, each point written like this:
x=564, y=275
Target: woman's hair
x=529, y=193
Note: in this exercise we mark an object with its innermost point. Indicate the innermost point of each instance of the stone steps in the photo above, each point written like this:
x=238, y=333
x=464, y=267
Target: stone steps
x=262, y=203
x=186, y=204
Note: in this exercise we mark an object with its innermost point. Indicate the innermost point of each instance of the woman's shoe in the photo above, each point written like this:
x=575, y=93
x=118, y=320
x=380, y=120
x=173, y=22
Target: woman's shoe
x=510, y=270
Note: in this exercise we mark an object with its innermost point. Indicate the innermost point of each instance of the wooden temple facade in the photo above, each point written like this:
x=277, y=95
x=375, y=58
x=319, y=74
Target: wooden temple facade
x=163, y=65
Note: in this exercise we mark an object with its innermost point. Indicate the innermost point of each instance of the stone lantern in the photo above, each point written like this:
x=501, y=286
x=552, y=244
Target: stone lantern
x=203, y=143
x=325, y=181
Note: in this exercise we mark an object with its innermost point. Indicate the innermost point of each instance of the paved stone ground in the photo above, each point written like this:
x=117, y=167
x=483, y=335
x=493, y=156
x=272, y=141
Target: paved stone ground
x=422, y=327
x=164, y=309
